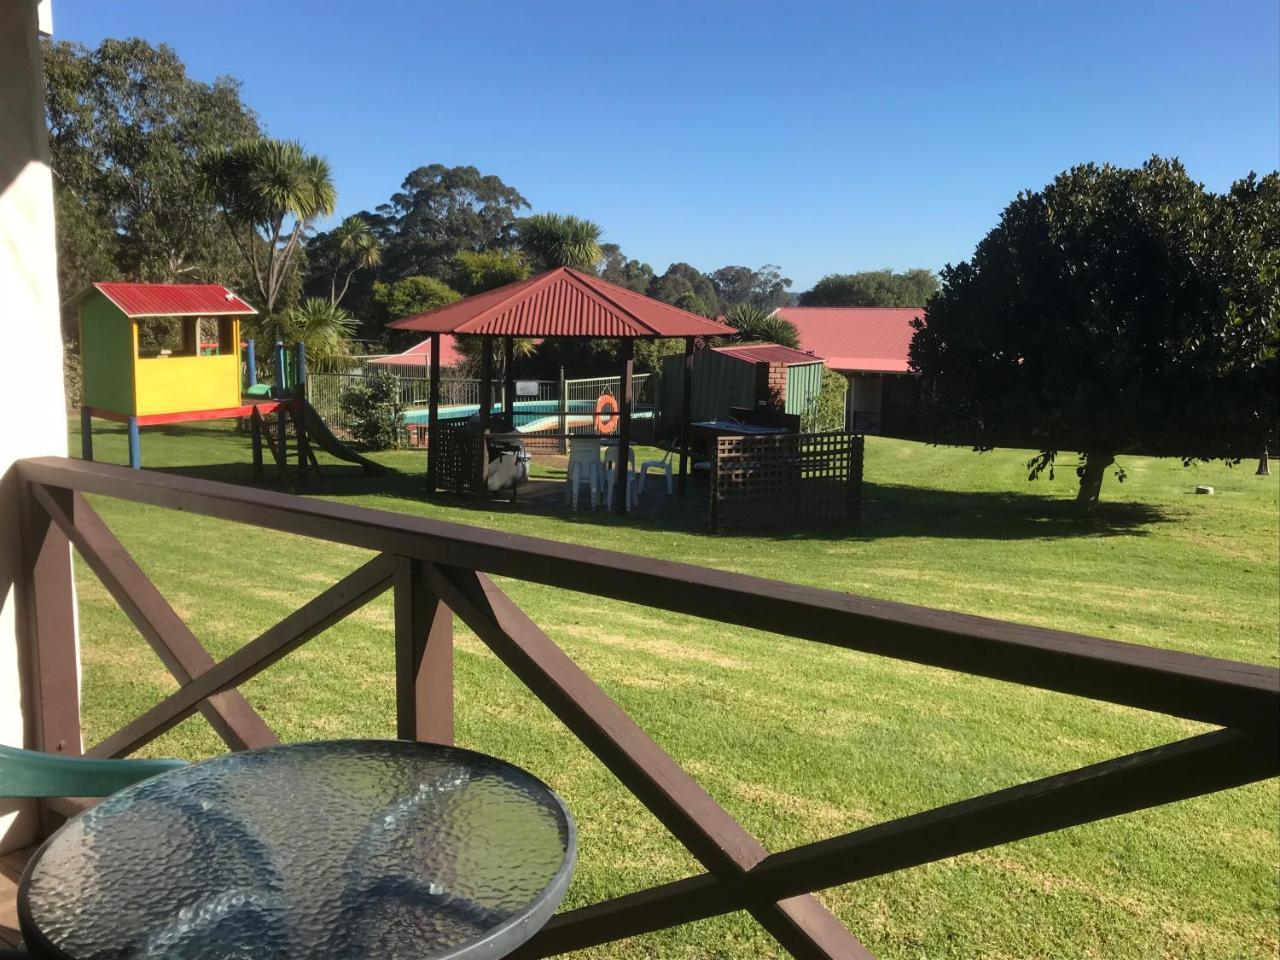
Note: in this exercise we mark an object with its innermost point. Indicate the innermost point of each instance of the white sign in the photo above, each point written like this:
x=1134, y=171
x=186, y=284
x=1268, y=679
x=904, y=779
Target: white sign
x=526, y=388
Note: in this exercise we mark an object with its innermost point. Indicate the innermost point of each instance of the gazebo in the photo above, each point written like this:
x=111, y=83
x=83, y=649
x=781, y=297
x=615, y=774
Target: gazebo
x=561, y=303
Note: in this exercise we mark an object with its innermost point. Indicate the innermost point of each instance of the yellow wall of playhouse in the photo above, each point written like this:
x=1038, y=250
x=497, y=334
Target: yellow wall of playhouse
x=182, y=384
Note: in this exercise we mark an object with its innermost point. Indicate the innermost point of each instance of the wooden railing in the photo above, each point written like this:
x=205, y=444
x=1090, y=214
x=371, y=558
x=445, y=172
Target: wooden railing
x=438, y=570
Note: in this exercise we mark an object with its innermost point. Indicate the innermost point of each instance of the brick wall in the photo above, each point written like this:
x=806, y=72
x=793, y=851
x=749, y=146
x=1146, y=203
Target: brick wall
x=771, y=385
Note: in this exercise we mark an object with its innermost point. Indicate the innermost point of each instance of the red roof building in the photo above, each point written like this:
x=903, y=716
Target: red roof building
x=419, y=355
x=856, y=339
x=174, y=300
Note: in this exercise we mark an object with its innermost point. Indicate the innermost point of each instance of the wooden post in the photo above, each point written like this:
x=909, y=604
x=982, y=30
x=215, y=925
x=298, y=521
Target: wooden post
x=626, y=353
x=49, y=654
x=686, y=411
x=486, y=382
x=433, y=413
x=424, y=657
x=564, y=413
x=509, y=379
x=86, y=433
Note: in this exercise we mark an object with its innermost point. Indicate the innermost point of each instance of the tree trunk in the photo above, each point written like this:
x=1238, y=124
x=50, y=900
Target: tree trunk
x=1264, y=463
x=1091, y=474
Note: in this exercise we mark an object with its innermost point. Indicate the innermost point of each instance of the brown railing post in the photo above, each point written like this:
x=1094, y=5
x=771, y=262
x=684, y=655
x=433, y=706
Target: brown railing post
x=47, y=629
x=424, y=657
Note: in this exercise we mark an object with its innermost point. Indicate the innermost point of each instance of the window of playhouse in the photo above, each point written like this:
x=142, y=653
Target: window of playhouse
x=185, y=337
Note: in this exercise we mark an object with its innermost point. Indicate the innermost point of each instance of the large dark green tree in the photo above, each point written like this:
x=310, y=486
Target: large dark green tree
x=1114, y=311
x=680, y=283
x=126, y=128
x=872, y=288
x=617, y=267
x=765, y=288
x=441, y=211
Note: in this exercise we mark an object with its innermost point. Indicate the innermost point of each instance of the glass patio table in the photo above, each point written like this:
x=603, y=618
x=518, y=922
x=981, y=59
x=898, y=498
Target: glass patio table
x=341, y=849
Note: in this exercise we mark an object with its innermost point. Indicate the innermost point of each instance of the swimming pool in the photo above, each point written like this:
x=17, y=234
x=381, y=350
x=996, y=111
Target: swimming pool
x=530, y=415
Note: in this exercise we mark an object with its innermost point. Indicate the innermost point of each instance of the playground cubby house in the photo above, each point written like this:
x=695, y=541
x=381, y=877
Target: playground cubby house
x=160, y=353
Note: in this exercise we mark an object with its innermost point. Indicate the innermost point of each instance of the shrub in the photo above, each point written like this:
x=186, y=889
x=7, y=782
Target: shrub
x=373, y=411
x=826, y=412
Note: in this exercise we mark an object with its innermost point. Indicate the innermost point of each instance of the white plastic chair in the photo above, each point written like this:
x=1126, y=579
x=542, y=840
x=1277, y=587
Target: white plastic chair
x=611, y=474
x=664, y=464
x=584, y=467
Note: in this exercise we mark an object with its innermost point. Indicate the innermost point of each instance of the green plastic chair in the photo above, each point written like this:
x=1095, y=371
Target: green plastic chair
x=29, y=773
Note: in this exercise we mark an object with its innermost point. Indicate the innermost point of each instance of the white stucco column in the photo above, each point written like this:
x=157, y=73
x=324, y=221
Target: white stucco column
x=31, y=396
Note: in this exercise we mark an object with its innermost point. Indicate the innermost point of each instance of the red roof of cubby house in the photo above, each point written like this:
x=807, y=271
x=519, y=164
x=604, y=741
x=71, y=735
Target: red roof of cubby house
x=174, y=299
x=563, y=303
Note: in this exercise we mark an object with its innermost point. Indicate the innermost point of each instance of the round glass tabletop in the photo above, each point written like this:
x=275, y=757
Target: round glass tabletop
x=347, y=848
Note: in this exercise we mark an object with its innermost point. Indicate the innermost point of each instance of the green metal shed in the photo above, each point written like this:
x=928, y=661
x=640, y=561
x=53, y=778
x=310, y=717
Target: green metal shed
x=739, y=376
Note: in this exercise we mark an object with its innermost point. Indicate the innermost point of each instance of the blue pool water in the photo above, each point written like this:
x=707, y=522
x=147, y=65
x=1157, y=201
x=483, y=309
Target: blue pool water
x=527, y=412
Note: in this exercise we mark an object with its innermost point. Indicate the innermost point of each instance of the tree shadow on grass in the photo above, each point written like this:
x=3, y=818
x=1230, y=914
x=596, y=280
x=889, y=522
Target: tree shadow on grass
x=889, y=510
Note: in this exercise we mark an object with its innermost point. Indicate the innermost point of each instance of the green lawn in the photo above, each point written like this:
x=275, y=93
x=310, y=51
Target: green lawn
x=801, y=741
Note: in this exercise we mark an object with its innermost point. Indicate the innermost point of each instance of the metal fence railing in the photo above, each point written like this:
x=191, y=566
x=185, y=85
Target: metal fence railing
x=552, y=407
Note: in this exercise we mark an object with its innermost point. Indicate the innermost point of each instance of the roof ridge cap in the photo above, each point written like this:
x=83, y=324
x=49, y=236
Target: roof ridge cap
x=581, y=279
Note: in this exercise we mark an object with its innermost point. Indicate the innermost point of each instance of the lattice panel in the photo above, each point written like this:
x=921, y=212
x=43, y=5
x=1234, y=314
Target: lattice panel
x=786, y=480
x=459, y=459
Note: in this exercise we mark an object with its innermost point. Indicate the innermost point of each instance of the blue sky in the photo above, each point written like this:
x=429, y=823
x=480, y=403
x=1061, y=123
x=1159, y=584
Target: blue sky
x=821, y=137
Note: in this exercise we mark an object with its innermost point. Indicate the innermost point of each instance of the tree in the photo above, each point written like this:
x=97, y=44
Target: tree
x=561, y=240
x=412, y=295
x=757, y=326
x=681, y=279
x=323, y=327
x=127, y=126
x=1253, y=209
x=1116, y=310
x=477, y=272
x=617, y=268
x=269, y=191
x=405, y=298
x=351, y=246
x=765, y=288
x=442, y=211
x=872, y=288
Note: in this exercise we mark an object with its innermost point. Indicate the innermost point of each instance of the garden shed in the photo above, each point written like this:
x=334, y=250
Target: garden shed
x=741, y=375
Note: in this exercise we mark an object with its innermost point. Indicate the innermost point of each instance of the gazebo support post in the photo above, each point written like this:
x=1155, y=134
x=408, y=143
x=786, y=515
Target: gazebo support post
x=509, y=379
x=626, y=354
x=486, y=381
x=686, y=411
x=433, y=413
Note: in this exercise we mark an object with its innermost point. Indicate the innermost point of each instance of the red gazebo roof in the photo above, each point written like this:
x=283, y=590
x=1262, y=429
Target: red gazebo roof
x=563, y=303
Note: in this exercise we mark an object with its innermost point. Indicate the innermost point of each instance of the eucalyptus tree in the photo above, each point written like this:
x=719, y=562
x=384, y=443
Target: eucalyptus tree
x=127, y=127
x=269, y=192
x=873, y=288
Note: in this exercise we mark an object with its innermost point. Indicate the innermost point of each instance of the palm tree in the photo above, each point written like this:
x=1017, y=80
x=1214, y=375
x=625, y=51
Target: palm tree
x=755, y=324
x=323, y=327
x=356, y=248
x=269, y=192
x=560, y=240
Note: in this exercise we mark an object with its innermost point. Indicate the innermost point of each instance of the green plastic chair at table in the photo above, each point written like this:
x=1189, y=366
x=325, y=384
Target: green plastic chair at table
x=31, y=774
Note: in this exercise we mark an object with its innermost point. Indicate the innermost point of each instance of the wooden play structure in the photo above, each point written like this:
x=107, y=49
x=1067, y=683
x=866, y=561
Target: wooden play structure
x=163, y=353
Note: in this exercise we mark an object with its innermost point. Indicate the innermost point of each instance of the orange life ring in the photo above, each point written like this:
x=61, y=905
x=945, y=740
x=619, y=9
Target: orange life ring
x=606, y=418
